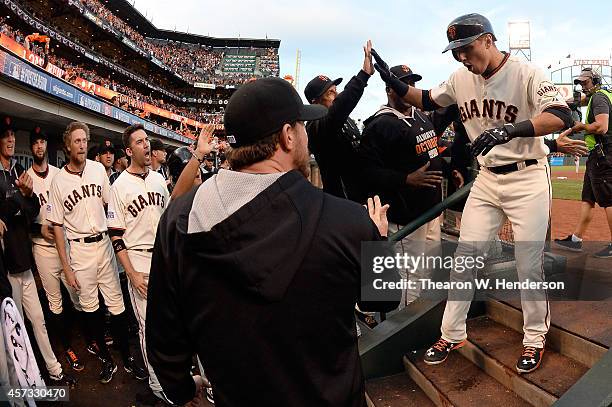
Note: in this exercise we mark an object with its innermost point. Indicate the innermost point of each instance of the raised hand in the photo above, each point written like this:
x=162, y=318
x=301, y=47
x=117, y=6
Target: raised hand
x=367, y=60
x=378, y=214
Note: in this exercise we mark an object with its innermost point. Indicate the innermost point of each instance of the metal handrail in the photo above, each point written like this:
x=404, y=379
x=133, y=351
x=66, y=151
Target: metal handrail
x=432, y=212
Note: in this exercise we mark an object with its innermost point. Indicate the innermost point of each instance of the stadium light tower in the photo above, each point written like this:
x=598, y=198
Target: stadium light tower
x=519, y=38
x=298, y=60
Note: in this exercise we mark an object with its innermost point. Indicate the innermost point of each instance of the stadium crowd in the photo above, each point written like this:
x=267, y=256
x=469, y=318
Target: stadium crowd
x=72, y=71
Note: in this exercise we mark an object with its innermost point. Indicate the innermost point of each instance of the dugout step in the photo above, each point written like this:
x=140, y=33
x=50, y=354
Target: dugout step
x=396, y=391
x=562, y=336
x=495, y=348
x=460, y=383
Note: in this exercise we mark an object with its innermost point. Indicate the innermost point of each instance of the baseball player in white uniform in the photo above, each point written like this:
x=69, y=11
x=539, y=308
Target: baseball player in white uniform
x=76, y=202
x=138, y=199
x=47, y=260
x=506, y=106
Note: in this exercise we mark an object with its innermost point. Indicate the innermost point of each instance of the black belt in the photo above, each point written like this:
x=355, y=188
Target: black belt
x=143, y=250
x=508, y=168
x=91, y=239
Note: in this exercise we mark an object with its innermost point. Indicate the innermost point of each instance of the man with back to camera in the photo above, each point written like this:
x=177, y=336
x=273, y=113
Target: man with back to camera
x=597, y=184
x=334, y=139
x=76, y=202
x=505, y=123
x=291, y=246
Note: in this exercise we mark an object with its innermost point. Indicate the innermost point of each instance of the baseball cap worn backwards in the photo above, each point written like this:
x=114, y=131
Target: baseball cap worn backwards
x=318, y=86
x=260, y=108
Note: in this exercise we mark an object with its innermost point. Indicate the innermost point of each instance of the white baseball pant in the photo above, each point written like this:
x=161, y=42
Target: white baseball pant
x=414, y=245
x=25, y=296
x=95, y=268
x=51, y=273
x=141, y=261
x=524, y=198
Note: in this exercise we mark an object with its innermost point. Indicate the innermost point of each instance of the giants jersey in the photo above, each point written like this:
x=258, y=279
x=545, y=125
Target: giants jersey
x=514, y=92
x=41, y=187
x=77, y=200
x=137, y=202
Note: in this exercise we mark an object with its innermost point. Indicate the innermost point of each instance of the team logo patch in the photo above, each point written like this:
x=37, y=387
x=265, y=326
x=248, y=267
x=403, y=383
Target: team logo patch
x=324, y=78
x=547, y=89
x=451, y=32
x=110, y=215
x=405, y=68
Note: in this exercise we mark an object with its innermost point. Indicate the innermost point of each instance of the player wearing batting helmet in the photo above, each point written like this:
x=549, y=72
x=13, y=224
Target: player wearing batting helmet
x=505, y=123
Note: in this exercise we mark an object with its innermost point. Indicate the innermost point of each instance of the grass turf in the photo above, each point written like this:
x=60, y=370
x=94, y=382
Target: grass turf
x=567, y=189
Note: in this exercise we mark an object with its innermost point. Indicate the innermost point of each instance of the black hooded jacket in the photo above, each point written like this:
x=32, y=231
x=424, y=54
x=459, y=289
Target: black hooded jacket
x=18, y=212
x=265, y=298
x=334, y=141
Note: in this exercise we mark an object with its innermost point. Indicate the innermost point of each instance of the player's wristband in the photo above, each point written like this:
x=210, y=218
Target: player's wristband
x=522, y=129
x=200, y=160
x=119, y=245
x=398, y=86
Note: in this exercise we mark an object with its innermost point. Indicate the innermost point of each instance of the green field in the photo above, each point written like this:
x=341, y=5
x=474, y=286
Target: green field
x=566, y=188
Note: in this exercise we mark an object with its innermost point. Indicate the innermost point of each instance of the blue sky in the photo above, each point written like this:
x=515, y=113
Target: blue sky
x=330, y=34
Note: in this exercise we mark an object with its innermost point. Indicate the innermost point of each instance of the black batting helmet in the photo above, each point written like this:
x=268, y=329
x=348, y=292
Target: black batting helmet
x=467, y=29
x=177, y=162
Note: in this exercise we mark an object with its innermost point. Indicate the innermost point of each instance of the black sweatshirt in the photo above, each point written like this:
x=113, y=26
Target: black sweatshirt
x=392, y=147
x=330, y=140
x=266, y=299
x=18, y=212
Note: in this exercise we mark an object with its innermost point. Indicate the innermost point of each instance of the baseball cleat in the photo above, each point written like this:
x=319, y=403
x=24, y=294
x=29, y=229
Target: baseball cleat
x=568, y=244
x=62, y=379
x=605, y=253
x=74, y=361
x=138, y=372
x=109, y=368
x=439, y=351
x=93, y=349
x=530, y=359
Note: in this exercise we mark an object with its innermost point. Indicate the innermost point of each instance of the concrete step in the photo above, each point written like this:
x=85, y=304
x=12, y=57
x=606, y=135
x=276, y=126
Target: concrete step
x=396, y=391
x=460, y=383
x=567, y=342
x=495, y=348
x=588, y=319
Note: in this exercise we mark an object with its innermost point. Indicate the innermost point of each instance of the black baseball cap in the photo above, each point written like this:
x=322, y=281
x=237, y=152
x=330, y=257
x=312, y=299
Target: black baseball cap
x=156, y=144
x=6, y=125
x=318, y=86
x=262, y=107
x=119, y=153
x=405, y=74
x=37, y=134
x=106, y=146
